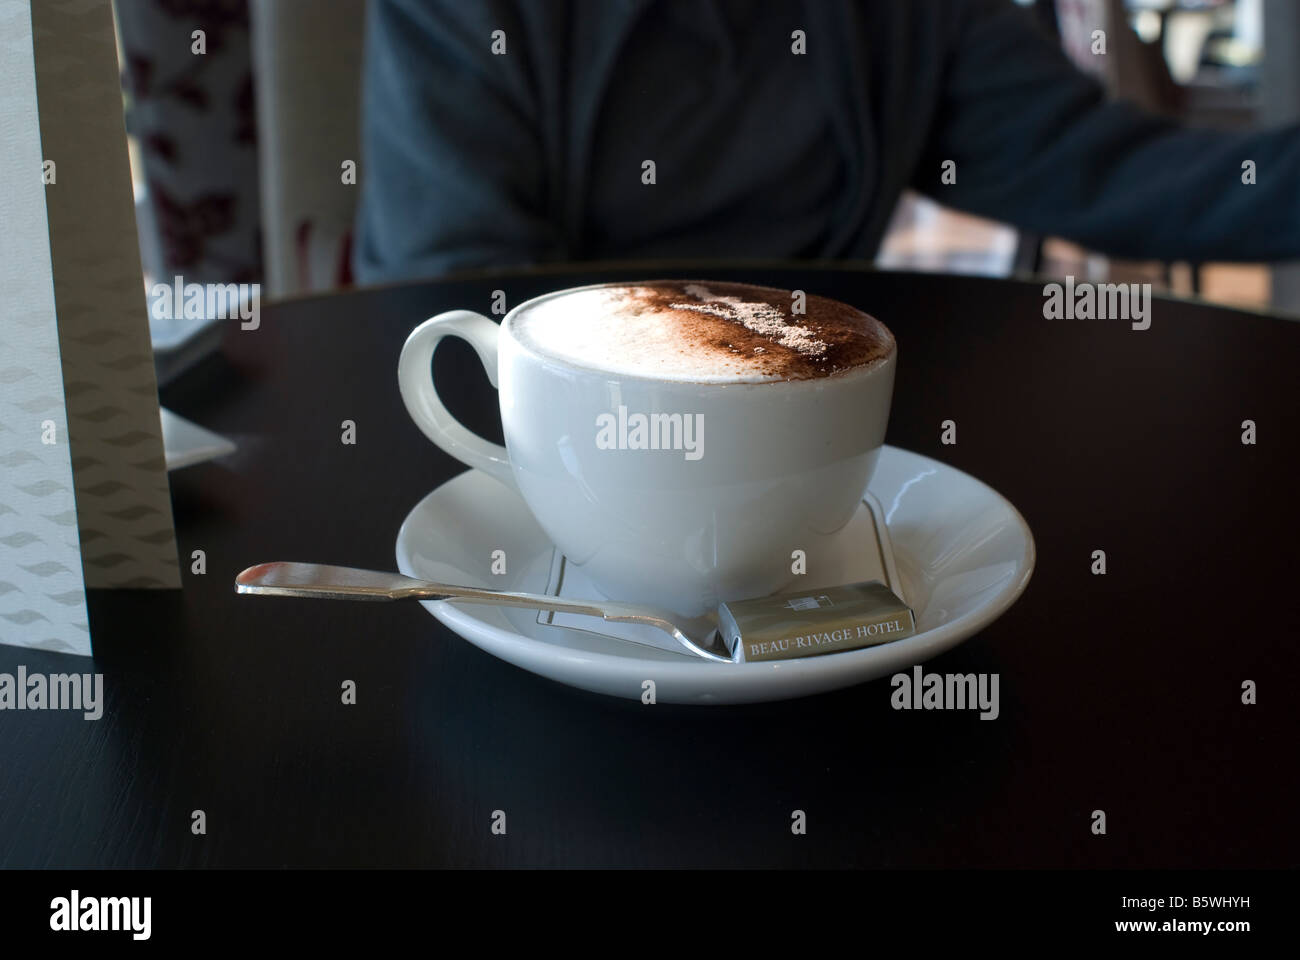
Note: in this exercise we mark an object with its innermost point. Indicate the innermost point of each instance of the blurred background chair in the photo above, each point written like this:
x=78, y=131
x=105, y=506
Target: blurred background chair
x=193, y=133
x=308, y=59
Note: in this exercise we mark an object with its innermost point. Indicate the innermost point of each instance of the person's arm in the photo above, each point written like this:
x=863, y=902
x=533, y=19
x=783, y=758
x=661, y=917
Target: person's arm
x=1037, y=145
x=445, y=125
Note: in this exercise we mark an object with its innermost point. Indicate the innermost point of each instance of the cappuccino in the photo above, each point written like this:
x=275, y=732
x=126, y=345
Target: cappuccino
x=594, y=379
x=702, y=332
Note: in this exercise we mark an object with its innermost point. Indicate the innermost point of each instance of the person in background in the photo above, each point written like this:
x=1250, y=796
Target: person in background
x=515, y=132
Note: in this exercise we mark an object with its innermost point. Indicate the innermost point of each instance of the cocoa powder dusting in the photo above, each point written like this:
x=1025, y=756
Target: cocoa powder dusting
x=752, y=330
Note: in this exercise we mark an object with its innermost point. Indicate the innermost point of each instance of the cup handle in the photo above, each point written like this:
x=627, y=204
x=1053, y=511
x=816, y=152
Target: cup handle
x=415, y=380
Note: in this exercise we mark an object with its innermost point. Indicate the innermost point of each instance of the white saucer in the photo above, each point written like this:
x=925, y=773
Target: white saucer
x=961, y=556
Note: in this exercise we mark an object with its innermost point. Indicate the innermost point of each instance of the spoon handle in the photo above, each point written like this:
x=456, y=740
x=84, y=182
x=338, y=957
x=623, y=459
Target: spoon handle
x=321, y=581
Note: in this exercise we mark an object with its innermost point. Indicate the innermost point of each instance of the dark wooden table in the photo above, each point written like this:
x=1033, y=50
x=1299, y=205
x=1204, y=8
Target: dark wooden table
x=1120, y=692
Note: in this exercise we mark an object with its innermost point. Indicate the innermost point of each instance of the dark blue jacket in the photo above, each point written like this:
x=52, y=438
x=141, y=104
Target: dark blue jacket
x=474, y=158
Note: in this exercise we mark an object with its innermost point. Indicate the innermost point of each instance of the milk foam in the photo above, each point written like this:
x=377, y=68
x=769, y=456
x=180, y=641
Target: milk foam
x=700, y=332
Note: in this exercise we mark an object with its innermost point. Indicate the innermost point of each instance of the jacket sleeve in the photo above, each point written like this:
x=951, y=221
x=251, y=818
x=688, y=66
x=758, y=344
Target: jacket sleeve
x=1037, y=144
x=451, y=156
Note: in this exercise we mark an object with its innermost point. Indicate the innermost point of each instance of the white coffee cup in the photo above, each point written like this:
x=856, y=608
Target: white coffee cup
x=763, y=469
